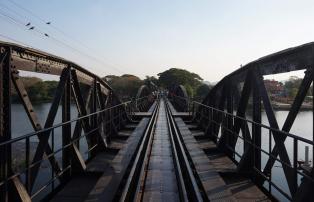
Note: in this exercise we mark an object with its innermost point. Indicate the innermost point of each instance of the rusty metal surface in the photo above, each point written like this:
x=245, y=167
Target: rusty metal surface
x=227, y=105
x=28, y=59
x=103, y=111
x=291, y=59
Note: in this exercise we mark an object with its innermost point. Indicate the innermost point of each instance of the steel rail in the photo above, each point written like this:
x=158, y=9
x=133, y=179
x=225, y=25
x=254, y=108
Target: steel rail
x=130, y=188
x=135, y=184
x=193, y=189
x=182, y=188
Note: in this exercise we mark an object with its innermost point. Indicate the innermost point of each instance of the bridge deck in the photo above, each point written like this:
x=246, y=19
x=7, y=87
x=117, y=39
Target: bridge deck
x=104, y=172
x=215, y=172
x=161, y=184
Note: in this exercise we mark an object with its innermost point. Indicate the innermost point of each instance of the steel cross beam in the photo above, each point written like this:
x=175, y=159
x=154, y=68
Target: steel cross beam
x=292, y=59
x=44, y=137
x=305, y=85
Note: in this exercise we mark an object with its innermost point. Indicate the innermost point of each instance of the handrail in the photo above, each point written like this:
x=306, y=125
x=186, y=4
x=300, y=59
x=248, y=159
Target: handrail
x=259, y=124
x=60, y=124
x=248, y=120
x=47, y=131
x=296, y=140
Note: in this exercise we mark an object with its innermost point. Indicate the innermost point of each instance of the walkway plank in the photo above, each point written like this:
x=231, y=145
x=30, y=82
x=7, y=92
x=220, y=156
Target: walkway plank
x=104, y=172
x=213, y=168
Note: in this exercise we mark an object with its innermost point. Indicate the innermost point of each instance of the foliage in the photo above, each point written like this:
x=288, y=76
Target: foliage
x=37, y=89
x=189, y=80
x=150, y=79
x=125, y=86
x=189, y=90
x=292, y=86
x=202, y=91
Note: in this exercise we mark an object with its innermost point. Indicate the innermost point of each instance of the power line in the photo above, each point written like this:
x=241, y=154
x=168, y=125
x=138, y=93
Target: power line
x=57, y=41
x=14, y=40
x=16, y=21
x=67, y=36
x=20, y=25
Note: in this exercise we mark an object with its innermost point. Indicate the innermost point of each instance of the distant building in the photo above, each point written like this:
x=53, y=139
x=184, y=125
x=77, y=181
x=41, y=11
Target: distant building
x=275, y=88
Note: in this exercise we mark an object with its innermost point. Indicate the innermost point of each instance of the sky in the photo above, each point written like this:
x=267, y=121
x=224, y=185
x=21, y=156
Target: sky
x=145, y=37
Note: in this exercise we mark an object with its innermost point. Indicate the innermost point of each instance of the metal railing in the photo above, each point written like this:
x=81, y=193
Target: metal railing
x=210, y=116
x=114, y=114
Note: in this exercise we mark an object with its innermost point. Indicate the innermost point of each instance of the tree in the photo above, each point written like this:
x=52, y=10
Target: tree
x=125, y=86
x=203, y=90
x=292, y=86
x=37, y=89
x=178, y=76
x=189, y=80
x=152, y=79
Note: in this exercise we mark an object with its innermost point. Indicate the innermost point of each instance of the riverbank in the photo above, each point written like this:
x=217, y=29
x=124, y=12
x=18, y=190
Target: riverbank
x=285, y=107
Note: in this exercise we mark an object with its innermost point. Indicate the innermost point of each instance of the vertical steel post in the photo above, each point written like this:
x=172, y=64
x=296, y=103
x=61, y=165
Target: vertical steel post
x=66, y=129
x=5, y=120
x=230, y=137
x=93, y=118
x=295, y=164
x=256, y=129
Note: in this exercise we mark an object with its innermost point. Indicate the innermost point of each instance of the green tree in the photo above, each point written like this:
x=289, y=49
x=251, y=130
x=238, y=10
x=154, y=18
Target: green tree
x=189, y=80
x=149, y=79
x=202, y=91
x=125, y=86
x=38, y=92
x=292, y=86
x=178, y=76
x=51, y=88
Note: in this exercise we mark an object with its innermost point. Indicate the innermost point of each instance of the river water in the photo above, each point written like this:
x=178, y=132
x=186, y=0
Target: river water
x=302, y=127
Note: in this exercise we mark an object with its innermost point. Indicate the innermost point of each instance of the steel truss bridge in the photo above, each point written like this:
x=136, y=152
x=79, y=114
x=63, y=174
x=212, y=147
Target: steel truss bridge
x=161, y=145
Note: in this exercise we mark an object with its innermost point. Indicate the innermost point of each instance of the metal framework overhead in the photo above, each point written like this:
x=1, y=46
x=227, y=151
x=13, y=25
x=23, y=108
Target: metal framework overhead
x=223, y=115
x=179, y=97
x=145, y=97
x=100, y=115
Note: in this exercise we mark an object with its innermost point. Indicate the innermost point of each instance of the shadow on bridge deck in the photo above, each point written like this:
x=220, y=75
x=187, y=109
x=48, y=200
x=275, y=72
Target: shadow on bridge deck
x=105, y=172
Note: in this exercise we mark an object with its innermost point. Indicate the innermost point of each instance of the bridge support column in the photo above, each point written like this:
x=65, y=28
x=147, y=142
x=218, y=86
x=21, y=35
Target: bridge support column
x=11, y=190
x=66, y=129
x=256, y=129
x=229, y=136
x=5, y=120
x=96, y=139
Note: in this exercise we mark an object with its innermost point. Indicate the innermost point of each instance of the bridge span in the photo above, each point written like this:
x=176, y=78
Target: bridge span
x=159, y=146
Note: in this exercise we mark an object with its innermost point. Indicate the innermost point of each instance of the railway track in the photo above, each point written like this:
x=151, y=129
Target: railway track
x=162, y=170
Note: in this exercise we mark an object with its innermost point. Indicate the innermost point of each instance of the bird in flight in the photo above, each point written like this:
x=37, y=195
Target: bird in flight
x=46, y=35
x=28, y=24
x=48, y=23
x=31, y=28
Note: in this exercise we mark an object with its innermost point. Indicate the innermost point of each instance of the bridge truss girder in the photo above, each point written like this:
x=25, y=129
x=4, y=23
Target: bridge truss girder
x=99, y=127
x=179, y=97
x=145, y=97
x=228, y=96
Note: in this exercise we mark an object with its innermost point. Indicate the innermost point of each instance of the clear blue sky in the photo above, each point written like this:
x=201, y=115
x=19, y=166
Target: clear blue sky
x=211, y=38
